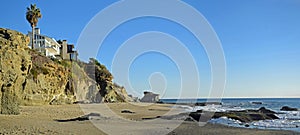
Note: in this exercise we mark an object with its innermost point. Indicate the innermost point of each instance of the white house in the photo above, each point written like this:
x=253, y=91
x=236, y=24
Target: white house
x=44, y=44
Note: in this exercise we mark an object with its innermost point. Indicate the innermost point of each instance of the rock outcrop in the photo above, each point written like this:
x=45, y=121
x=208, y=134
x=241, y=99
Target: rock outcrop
x=150, y=97
x=46, y=82
x=15, y=64
x=109, y=91
x=29, y=78
x=243, y=116
x=287, y=108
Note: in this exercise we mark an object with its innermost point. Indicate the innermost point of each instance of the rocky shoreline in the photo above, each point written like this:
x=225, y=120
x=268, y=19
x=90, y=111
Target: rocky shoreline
x=215, y=112
x=108, y=118
x=245, y=116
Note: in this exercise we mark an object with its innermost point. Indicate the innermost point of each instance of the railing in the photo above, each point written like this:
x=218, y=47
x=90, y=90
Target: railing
x=52, y=48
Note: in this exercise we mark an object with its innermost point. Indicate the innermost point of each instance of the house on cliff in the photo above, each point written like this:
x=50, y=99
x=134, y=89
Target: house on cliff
x=47, y=45
x=67, y=51
x=52, y=48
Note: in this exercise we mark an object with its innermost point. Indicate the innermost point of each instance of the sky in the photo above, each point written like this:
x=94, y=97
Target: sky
x=260, y=40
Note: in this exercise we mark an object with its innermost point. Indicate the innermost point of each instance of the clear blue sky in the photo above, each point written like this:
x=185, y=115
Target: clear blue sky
x=260, y=38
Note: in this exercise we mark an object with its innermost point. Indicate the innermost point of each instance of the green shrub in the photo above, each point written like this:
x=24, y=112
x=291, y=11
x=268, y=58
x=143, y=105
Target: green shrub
x=65, y=63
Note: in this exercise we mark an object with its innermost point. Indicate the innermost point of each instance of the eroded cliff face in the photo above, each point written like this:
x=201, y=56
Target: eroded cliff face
x=15, y=64
x=46, y=82
x=108, y=91
x=29, y=78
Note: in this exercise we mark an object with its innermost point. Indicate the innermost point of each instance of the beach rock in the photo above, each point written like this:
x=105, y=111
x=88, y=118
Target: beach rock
x=190, y=119
x=127, y=111
x=256, y=102
x=82, y=118
x=266, y=111
x=203, y=116
x=150, y=97
x=287, y=108
x=243, y=115
x=82, y=102
x=207, y=103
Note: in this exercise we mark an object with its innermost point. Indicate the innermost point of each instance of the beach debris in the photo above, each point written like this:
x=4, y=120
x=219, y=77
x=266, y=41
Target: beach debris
x=127, y=111
x=287, y=108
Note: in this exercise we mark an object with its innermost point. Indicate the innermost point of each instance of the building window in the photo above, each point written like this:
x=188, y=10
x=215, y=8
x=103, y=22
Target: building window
x=69, y=48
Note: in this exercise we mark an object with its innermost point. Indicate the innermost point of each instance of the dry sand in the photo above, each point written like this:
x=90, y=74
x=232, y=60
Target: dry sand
x=43, y=120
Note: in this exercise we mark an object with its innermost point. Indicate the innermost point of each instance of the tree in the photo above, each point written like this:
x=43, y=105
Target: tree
x=33, y=15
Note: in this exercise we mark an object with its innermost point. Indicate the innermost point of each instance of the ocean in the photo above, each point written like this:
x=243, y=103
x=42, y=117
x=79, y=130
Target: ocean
x=288, y=120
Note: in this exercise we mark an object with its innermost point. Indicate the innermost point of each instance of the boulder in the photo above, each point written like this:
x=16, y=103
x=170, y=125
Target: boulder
x=256, y=103
x=127, y=111
x=83, y=118
x=266, y=111
x=287, y=108
x=207, y=103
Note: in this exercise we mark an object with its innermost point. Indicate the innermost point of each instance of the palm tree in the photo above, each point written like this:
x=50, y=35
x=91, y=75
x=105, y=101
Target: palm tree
x=32, y=15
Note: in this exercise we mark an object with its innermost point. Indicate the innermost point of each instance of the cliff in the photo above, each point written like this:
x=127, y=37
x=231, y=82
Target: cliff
x=29, y=78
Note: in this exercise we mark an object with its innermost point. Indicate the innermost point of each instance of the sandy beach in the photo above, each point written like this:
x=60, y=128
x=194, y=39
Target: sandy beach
x=44, y=120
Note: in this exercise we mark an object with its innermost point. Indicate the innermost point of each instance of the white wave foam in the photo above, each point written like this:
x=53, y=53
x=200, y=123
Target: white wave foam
x=215, y=108
x=275, y=124
x=226, y=121
x=289, y=120
x=289, y=115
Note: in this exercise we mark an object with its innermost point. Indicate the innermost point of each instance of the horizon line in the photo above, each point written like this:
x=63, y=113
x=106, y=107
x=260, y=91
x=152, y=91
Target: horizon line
x=230, y=97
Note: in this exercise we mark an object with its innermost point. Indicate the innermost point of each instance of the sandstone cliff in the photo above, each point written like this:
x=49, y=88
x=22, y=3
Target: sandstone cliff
x=29, y=78
x=15, y=64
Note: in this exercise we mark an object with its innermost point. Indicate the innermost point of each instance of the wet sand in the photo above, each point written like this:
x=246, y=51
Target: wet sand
x=44, y=120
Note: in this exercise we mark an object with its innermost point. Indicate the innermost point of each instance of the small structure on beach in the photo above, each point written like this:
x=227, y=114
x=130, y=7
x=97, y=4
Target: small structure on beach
x=150, y=97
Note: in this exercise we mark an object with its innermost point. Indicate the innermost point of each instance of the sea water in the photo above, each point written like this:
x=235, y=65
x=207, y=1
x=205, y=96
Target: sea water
x=288, y=120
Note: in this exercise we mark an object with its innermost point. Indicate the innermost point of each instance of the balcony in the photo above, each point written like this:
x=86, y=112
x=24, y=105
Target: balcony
x=52, y=49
